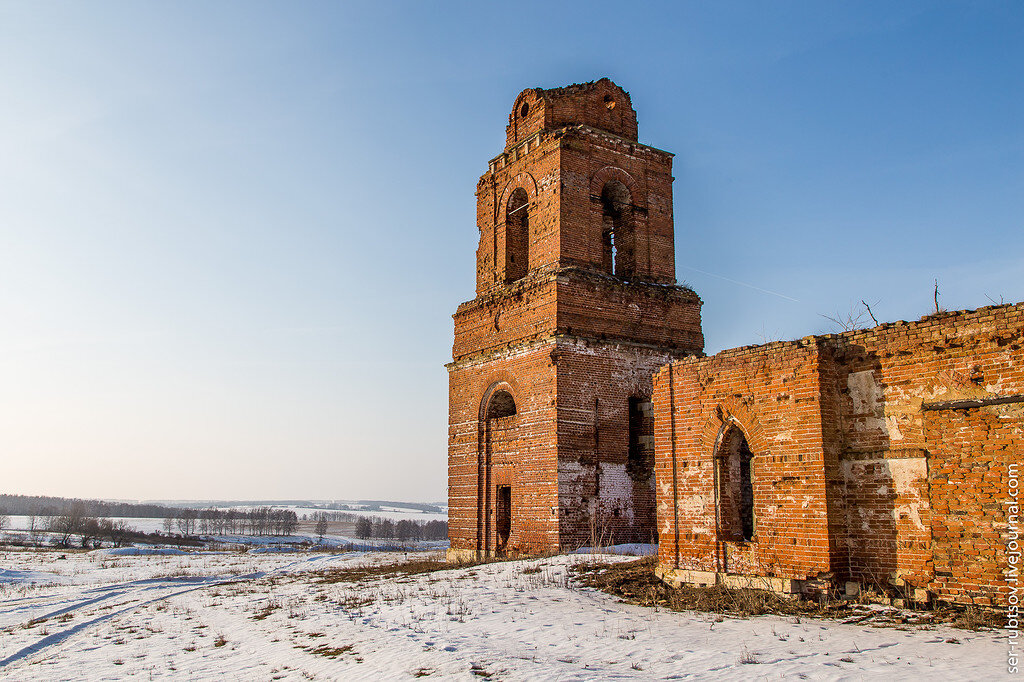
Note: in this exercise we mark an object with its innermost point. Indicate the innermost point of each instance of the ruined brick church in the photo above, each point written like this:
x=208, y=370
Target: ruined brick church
x=582, y=409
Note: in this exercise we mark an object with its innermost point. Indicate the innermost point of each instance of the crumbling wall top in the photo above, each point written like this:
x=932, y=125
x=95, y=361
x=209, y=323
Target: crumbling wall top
x=599, y=104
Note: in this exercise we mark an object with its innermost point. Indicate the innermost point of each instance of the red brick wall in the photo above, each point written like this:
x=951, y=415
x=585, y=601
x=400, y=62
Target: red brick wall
x=888, y=517
x=522, y=451
x=601, y=307
x=970, y=453
x=885, y=376
x=599, y=500
x=772, y=393
x=856, y=425
x=534, y=167
x=525, y=312
x=589, y=159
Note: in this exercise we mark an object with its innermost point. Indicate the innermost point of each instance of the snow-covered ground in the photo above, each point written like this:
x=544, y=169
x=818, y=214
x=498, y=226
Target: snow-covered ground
x=260, y=616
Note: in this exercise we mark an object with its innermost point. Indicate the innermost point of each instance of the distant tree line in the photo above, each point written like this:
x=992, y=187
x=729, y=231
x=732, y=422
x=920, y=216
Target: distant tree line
x=41, y=505
x=406, y=529
x=330, y=516
x=92, y=521
x=73, y=525
x=257, y=521
x=64, y=518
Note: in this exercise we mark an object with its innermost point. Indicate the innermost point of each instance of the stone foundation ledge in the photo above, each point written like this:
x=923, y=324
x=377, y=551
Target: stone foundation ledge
x=679, y=576
x=462, y=556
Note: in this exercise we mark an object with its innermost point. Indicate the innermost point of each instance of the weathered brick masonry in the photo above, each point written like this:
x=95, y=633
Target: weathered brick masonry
x=550, y=436
x=878, y=456
x=874, y=457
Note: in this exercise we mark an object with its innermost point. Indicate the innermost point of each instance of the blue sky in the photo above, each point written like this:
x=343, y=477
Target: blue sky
x=232, y=234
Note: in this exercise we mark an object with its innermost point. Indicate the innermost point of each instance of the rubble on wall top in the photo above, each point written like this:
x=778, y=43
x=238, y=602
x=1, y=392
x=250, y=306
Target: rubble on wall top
x=574, y=88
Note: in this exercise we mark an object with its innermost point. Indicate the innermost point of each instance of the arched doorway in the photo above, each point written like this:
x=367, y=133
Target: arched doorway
x=500, y=449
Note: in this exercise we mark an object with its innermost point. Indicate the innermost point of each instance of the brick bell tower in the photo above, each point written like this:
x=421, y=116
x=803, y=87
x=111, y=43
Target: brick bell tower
x=550, y=421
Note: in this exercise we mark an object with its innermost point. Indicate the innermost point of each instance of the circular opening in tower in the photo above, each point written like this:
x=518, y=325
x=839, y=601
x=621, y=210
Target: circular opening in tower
x=609, y=102
x=524, y=110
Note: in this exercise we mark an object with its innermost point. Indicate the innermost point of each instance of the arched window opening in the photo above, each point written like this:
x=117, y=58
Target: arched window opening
x=617, y=230
x=501, y=405
x=735, y=487
x=640, y=461
x=517, y=235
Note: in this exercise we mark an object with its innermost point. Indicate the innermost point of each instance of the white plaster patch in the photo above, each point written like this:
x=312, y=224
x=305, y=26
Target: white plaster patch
x=615, y=490
x=912, y=511
x=892, y=424
x=907, y=475
x=864, y=392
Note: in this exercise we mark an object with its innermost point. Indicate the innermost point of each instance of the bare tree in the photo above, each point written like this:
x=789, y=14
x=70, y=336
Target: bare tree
x=868, y=308
x=168, y=524
x=291, y=522
x=321, y=526
x=90, y=530
x=3, y=519
x=208, y=521
x=187, y=521
x=383, y=529
x=33, y=520
x=853, y=319
x=68, y=522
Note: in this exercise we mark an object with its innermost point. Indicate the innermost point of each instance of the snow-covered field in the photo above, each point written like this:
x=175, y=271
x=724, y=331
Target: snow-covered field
x=111, y=614
x=18, y=534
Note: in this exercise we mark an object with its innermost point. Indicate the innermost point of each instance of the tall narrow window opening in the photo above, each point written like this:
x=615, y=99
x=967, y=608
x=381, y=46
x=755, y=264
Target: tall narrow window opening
x=503, y=517
x=640, y=462
x=735, y=463
x=617, y=230
x=517, y=235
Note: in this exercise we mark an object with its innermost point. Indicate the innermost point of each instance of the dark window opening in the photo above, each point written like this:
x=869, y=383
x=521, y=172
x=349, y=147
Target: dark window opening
x=517, y=236
x=617, y=230
x=640, y=462
x=736, y=487
x=503, y=516
x=524, y=110
x=501, y=405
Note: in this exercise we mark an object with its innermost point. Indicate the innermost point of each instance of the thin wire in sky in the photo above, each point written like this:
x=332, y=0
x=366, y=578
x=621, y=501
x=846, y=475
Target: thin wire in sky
x=743, y=284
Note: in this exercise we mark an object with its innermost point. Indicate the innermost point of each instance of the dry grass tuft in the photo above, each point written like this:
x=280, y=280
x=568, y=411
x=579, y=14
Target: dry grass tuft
x=415, y=566
x=331, y=651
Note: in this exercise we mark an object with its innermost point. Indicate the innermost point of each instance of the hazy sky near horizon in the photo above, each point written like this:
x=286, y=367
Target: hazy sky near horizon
x=232, y=234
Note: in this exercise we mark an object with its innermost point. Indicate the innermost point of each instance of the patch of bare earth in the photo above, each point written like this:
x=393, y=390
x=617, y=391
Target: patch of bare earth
x=634, y=582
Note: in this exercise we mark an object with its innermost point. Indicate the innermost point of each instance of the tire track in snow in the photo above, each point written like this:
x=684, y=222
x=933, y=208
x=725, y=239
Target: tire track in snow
x=140, y=586
x=59, y=637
